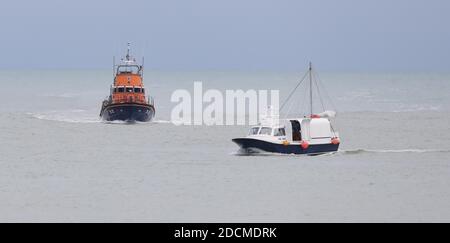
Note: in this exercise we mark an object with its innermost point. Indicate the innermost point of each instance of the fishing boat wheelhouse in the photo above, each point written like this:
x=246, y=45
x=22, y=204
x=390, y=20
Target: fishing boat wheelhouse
x=312, y=135
x=128, y=100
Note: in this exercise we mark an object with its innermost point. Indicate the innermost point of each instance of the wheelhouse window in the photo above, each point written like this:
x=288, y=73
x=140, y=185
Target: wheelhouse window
x=280, y=132
x=137, y=90
x=143, y=90
x=128, y=69
x=266, y=131
x=254, y=131
x=121, y=89
x=129, y=89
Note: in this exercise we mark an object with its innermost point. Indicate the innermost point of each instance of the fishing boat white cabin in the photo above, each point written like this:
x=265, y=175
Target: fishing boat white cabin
x=312, y=135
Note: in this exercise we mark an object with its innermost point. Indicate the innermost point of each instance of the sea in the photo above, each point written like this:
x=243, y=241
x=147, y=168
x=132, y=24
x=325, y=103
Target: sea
x=60, y=163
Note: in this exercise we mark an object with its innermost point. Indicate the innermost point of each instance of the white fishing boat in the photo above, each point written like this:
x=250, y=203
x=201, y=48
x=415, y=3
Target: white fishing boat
x=312, y=134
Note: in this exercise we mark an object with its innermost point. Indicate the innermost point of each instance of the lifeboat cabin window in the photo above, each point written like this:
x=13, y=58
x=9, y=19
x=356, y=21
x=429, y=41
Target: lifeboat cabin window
x=129, y=89
x=121, y=89
x=137, y=90
x=280, y=132
x=266, y=131
x=254, y=131
x=128, y=69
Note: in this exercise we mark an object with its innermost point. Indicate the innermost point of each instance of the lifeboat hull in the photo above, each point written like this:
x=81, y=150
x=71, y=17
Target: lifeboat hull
x=128, y=112
x=250, y=145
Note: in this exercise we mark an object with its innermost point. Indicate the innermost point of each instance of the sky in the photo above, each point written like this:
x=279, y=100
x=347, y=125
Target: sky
x=337, y=35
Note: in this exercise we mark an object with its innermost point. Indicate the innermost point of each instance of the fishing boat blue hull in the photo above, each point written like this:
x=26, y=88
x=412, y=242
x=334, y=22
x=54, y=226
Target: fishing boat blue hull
x=253, y=145
x=128, y=112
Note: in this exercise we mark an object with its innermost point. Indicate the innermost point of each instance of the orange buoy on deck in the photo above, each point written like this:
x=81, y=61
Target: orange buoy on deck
x=335, y=141
x=304, y=145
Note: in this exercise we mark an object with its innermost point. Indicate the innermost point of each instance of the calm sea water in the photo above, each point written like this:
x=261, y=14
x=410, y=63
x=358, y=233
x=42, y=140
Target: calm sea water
x=58, y=162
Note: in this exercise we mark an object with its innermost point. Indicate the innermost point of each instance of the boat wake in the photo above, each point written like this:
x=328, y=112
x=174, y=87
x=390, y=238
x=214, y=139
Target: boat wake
x=244, y=152
x=162, y=122
x=71, y=116
x=372, y=151
x=83, y=116
x=256, y=152
x=136, y=122
x=253, y=152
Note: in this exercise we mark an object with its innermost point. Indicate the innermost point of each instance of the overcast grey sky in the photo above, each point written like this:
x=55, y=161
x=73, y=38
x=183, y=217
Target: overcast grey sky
x=347, y=35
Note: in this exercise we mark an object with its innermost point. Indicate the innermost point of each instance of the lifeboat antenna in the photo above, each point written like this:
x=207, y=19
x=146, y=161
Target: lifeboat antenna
x=128, y=52
x=311, y=88
x=142, y=67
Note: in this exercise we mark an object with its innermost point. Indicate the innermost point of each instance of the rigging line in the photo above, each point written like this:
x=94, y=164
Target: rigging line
x=300, y=101
x=318, y=92
x=326, y=92
x=331, y=125
x=303, y=102
x=332, y=130
x=289, y=110
x=319, y=82
x=323, y=106
x=293, y=91
x=295, y=102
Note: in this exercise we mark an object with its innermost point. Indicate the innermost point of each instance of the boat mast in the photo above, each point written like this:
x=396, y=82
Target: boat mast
x=142, y=67
x=311, y=88
x=114, y=66
x=128, y=52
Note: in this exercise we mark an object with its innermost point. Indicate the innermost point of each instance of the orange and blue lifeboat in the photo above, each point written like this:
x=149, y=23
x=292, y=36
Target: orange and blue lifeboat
x=128, y=99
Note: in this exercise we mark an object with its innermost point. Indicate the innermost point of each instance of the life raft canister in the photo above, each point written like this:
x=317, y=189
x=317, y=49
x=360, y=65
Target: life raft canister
x=335, y=141
x=304, y=145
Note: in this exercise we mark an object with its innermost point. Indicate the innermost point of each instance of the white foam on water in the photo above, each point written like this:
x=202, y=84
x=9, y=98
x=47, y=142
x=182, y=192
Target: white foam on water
x=162, y=122
x=417, y=108
x=241, y=152
x=136, y=122
x=362, y=151
x=83, y=116
x=257, y=152
x=71, y=116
